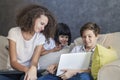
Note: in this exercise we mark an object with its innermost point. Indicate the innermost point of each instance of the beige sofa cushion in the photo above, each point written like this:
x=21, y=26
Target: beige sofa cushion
x=3, y=53
x=112, y=40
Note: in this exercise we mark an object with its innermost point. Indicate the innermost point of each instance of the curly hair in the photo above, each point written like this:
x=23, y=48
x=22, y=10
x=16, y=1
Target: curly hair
x=26, y=19
x=90, y=26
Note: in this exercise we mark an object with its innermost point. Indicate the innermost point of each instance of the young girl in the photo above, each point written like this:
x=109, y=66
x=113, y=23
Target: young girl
x=26, y=41
x=62, y=38
x=89, y=33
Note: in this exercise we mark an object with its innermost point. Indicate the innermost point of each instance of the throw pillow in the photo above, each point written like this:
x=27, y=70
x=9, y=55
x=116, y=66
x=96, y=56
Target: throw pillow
x=101, y=56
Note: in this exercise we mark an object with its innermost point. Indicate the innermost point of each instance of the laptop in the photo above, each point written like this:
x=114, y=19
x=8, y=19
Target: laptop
x=74, y=61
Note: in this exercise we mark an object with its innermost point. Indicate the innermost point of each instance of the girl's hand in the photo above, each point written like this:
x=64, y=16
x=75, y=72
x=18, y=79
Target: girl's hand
x=68, y=73
x=52, y=68
x=31, y=74
x=57, y=48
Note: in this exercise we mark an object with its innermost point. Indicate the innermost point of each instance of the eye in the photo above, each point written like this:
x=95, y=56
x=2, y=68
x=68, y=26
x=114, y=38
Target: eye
x=90, y=36
x=83, y=36
x=42, y=23
x=66, y=37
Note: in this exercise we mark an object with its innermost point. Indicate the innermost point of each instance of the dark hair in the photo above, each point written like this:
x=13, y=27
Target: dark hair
x=90, y=26
x=62, y=29
x=26, y=19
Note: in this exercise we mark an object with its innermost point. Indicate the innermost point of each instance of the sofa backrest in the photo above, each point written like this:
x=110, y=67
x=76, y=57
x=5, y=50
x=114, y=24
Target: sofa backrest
x=112, y=40
x=107, y=40
x=101, y=39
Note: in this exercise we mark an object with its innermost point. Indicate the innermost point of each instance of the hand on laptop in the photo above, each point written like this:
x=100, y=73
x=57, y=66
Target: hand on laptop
x=68, y=73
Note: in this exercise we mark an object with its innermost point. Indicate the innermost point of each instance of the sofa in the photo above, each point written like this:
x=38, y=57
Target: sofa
x=109, y=71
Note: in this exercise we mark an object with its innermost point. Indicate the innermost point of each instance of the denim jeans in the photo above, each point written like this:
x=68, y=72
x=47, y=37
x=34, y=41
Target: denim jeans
x=49, y=77
x=11, y=76
x=82, y=76
x=78, y=76
x=14, y=76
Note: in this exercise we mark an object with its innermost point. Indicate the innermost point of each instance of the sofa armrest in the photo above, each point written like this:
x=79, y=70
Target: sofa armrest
x=110, y=71
x=3, y=53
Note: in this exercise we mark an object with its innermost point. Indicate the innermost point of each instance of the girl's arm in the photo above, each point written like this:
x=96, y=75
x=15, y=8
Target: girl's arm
x=46, y=51
x=32, y=72
x=13, y=57
x=57, y=48
x=36, y=55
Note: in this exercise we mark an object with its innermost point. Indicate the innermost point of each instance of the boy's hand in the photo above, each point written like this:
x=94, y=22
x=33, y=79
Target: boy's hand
x=52, y=68
x=68, y=73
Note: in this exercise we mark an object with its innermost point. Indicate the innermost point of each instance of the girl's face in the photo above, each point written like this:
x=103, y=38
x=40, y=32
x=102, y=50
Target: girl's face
x=40, y=23
x=63, y=39
x=89, y=38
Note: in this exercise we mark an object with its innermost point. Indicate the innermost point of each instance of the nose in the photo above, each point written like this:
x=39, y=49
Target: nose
x=86, y=39
x=65, y=39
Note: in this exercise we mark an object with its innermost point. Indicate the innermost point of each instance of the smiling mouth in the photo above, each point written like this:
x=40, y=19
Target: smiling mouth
x=87, y=42
x=63, y=42
x=39, y=30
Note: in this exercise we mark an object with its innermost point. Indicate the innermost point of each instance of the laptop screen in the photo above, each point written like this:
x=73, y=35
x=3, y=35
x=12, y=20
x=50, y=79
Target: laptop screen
x=74, y=61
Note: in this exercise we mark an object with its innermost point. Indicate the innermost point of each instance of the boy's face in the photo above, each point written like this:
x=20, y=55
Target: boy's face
x=40, y=23
x=89, y=38
x=63, y=39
